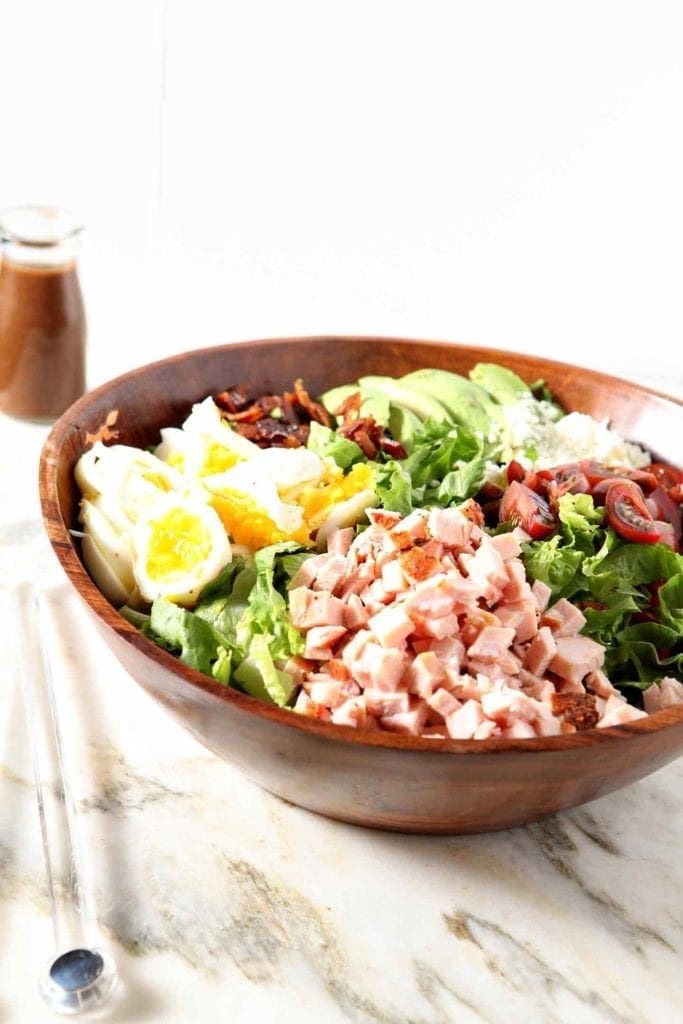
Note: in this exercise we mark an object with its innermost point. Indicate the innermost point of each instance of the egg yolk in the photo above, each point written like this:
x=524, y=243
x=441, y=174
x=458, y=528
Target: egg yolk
x=216, y=458
x=157, y=480
x=249, y=524
x=178, y=542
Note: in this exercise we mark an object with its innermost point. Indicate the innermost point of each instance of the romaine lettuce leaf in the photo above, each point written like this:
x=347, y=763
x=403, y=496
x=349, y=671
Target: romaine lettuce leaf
x=324, y=442
x=258, y=675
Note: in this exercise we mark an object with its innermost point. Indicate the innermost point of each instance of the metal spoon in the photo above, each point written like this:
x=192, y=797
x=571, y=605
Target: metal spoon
x=80, y=976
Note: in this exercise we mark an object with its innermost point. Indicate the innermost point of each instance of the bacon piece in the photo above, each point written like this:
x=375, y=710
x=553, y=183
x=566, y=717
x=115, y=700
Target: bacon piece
x=234, y=399
x=312, y=410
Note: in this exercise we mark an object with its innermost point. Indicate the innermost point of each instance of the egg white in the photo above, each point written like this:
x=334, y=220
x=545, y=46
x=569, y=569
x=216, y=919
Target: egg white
x=182, y=587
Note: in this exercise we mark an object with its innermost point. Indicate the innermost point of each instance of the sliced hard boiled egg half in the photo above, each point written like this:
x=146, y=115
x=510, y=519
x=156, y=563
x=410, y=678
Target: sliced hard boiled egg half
x=106, y=555
x=180, y=546
x=130, y=479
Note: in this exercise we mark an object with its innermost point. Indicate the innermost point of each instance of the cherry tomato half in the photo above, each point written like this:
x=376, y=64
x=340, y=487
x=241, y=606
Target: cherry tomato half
x=667, y=476
x=663, y=507
x=523, y=507
x=628, y=514
x=596, y=473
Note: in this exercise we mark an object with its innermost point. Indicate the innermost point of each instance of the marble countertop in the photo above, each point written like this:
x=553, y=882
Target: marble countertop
x=221, y=903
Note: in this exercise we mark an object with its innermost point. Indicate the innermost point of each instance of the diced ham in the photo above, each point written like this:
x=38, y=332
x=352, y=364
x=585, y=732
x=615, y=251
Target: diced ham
x=377, y=593
x=352, y=712
x=439, y=627
x=492, y=642
x=540, y=652
x=377, y=667
x=327, y=693
x=372, y=605
x=306, y=573
x=392, y=625
x=517, y=587
x=620, y=715
x=297, y=668
x=417, y=565
x=357, y=580
x=381, y=703
x=449, y=526
x=541, y=592
x=308, y=608
x=519, y=730
x=576, y=657
x=355, y=612
x=443, y=703
x=507, y=705
x=414, y=524
x=320, y=640
x=434, y=597
x=450, y=651
x=486, y=730
x=393, y=580
x=598, y=683
x=330, y=574
x=520, y=616
x=339, y=541
x=667, y=694
x=507, y=546
x=463, y=723
x=433, y=630
x=409, y=722
x=425, y=674
x=381, y=517
x=564, y=619
x=305, y=706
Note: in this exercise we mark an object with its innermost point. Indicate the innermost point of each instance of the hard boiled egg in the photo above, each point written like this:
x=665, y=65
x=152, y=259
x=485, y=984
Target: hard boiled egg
x=284, y=494
x=180, y=545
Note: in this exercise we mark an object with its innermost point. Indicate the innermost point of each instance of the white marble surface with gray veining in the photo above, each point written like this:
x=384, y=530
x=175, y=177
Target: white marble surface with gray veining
x=221, y=903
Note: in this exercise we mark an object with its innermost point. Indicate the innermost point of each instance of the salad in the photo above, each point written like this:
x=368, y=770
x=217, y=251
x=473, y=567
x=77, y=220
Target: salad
x=436, y=555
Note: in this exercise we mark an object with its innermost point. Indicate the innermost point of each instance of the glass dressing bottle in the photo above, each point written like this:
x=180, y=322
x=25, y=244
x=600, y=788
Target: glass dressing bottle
x=42, y=318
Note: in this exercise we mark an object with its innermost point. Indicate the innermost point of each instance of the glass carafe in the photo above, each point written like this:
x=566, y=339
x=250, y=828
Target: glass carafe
x=42, y=319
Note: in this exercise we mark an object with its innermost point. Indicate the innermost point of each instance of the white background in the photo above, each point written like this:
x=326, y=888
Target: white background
x=508, y=174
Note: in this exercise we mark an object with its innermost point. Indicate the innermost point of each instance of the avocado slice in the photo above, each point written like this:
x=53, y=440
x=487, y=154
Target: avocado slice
x=404, y=424
x=373, y=403
x=466, y=401
x=502, y=384
x=420, y=402
x=333, y=398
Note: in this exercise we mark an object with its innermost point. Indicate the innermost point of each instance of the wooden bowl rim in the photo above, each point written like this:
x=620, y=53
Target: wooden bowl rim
x=65, y=549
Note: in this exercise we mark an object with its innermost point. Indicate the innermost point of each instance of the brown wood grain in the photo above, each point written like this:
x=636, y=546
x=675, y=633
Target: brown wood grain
x=376, y=779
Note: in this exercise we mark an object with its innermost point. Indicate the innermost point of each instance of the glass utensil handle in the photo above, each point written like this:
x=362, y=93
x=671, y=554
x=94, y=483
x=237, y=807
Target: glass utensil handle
x=81, y=976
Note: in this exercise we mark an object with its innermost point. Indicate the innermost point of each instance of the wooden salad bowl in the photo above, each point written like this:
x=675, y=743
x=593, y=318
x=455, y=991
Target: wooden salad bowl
x=377, y=778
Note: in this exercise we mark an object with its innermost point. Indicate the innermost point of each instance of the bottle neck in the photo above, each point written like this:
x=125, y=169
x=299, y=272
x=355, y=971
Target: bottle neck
x=39, y=236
